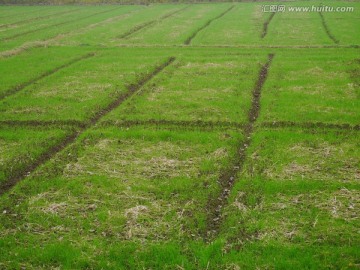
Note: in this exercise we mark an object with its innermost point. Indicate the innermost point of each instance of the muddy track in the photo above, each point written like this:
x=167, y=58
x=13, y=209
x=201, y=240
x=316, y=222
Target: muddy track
x=39, y=123
x=55, y=25
x=326, y=28
x=309, y=125
x=228, y=176
x=193, y=35
x=37, y=18
x=144, y=25
x=266, y=25
x=206, y=125
x=132, y=89
x=20, y=87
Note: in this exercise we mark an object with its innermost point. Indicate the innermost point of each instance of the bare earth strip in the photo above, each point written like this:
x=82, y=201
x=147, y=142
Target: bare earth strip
x=132, y=89
x=227, y=177
x=20, y=87
x=189, y=39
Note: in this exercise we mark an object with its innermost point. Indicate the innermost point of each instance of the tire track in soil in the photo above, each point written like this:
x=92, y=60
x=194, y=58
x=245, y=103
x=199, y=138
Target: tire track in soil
x=266, y=25
x=227, y=178
x=37, y=18
x=327, y=30
x=193, y=35
x=144, y=25
x=19, y=175
x=55, y=25
x=20, y=87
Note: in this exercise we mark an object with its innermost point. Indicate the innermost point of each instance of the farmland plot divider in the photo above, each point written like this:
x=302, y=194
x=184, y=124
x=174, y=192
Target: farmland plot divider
x=227, y=177
x=327, y=30
x=206, y=125
x=266, y=25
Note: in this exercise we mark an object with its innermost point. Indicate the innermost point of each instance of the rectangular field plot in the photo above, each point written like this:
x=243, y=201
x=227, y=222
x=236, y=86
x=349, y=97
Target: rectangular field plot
x=241, y=25
x=296, y=28
x=342, y=25
x=13, y=17
x=295, y=155
x=138, y=189
x=55, y=28
x=117, y=29
x=80, y=90
x=22, y=146
x=177, y=28
x=39, y=62
x=197, y=89
x=313, y=86
x=299, y=196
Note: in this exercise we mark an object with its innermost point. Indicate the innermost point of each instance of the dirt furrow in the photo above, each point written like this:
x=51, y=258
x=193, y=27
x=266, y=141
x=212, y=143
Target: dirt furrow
x=228, y=176
x=144, y=25
x=20, y=87
x=132, y=89
x=326, y=28
x=189, y=39
x=266, y=25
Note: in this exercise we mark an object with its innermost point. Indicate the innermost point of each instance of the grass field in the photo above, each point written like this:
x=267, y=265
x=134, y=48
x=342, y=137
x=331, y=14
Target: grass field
x=179, y=136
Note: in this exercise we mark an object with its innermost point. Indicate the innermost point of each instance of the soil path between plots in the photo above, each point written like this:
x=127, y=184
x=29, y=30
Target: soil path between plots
x=327, y=30
x=227, y=177
x=19, y=175
x=189, y=39
x=266, y=25
x=20, y=87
